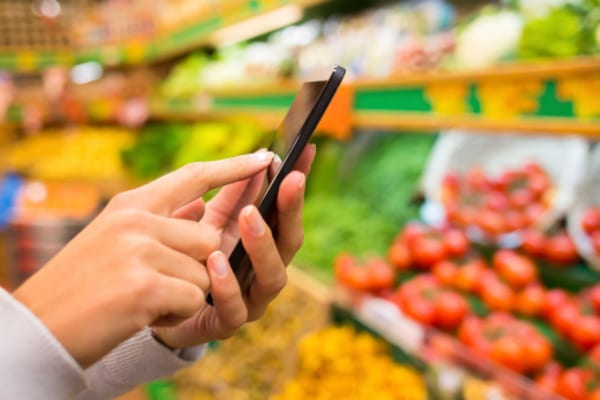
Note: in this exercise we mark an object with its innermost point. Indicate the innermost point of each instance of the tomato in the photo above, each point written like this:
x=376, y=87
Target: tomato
x=561, y=249
x=533, y=242
x=456, y=243
x=534, y=213
x=553, y=299
x=595, y=395
x=539, y=184
x=572, y=384
x=530, y=301
x=548, y=379
x=420, y=310
x=412, y=231
x=497, y=201
x=590, y=220
x=564, y=317
x=595, y=238
x=468, y=276
x=521, y=197
x=585, y=332
x=509, y=352
x=399, y=256
x=445, y=272
x=498, y=297
x=514, y=220
x=594, y=297
x=538, y=353
x=427, y=250
x=515, y=269
x=381, y=274
x=490, y=222
x=477, y=179
x=450, y=309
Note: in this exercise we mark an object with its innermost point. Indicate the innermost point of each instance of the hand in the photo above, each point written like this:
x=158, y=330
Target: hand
x=134, y=265
x=269, y=256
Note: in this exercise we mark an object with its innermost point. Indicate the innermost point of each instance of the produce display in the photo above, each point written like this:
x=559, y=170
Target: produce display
x=514, y=200
x=339, y=363
x=494, y=300
x=160, y=148
x=591, y=225
x=247, y=366
x=83, y=153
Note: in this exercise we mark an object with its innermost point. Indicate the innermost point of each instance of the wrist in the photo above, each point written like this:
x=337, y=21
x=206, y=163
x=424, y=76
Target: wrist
x=162, y=340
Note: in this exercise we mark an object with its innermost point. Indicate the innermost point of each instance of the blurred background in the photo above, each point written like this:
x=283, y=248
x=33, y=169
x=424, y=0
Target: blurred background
x=452, y=220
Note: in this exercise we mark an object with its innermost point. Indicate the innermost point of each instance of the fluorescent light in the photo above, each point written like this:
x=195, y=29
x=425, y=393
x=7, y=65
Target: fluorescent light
x=86, y=72
x=258, y=25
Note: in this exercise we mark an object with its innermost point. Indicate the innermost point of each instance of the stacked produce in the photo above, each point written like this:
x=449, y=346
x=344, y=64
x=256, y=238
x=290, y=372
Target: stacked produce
x=591, y=226
x=260, y=358
x=163, y=147
x=84, y=153
x=339, y=363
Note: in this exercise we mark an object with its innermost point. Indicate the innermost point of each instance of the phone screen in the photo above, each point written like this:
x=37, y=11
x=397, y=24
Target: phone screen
x=293, y=134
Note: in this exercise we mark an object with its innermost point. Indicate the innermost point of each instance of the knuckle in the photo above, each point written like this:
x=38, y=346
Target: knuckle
x=131, y=220
x=276, y=283
x=235, y=321
x=122, y=200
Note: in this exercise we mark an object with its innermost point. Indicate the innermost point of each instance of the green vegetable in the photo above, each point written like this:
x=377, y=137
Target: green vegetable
x=562, y=33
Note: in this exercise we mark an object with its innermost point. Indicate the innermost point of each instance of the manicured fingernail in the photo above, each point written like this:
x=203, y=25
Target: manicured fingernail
x=254, y=221
x=263, y=155
x=220, y=264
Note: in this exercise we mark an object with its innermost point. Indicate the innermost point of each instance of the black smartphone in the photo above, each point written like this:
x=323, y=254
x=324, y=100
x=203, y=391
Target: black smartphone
x=300, y=122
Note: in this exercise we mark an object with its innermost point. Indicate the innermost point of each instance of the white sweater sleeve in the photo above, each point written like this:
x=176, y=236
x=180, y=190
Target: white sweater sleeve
x=137, y=360
x=34, y=364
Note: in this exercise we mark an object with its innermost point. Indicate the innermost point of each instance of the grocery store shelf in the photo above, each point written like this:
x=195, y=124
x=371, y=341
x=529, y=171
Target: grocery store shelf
x=150, y=49
x=557, y=98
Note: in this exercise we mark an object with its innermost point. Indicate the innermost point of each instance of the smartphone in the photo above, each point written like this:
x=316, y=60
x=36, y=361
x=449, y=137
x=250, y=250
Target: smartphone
x=300, y=122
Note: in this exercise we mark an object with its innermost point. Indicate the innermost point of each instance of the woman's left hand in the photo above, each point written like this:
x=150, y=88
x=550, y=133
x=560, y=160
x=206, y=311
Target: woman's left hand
x=269, y=255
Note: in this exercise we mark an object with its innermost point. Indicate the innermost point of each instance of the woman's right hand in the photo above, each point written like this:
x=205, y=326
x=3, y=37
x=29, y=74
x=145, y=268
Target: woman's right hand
x=133, y=265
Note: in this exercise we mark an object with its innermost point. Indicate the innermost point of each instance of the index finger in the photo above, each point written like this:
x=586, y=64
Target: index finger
x=171, y=191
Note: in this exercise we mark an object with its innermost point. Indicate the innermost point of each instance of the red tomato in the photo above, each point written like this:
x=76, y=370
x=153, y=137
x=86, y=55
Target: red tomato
x=534, y=213
x=553, y=299
x=445, y=272
x=585, y=331
x=530, y=301
x=490, y=222
x=497, y=201
x=450, y=309
x=572, y=384
x=561, y=249
x=468, y=276
x=426, y=251
x=517, y=270
x=521, y=197
x=514, y=220
x=594, y=297
x=590, y=220
x=538, y=353
x=477, y=179
x=595, y=238
x=455, y=243
x=595, y=395
x=399, y=256
x=534, y=242
x=412, y=231
x=420, y=310
x=509, y=352
x=498, y=297
x=564, y=318
x=470, y=330
x=539, y=183
x=381, y=274
x=548, y=379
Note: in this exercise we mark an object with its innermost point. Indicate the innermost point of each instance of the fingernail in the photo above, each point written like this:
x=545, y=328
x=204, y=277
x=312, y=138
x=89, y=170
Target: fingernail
x=301, y=181
x=263, y=155
x=220, y=264
x=254, y=221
